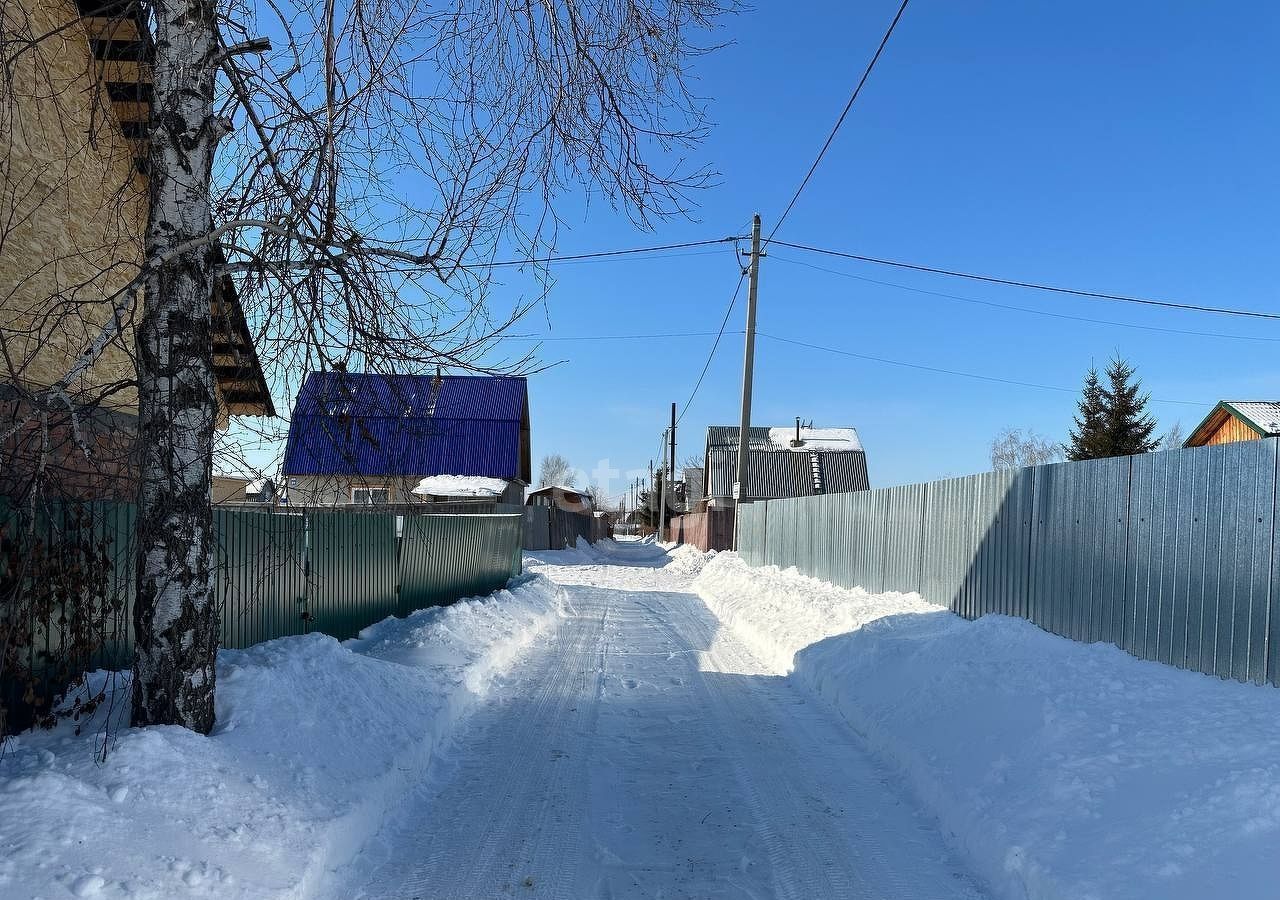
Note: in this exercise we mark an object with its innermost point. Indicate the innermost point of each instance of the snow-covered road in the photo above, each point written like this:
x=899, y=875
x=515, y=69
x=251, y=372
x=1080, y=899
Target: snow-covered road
x=641, y=751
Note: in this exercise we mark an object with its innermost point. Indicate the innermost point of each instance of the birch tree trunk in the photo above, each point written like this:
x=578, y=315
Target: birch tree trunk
x=175, y=618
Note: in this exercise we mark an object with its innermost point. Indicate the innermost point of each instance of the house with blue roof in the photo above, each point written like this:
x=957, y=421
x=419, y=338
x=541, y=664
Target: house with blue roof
x=366, y=438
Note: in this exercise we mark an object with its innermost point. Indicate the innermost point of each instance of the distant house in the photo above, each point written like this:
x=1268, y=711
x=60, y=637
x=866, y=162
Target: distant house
x=1237, y=420
x=369, y=439
x=788, y=461
x=234, y=489
x=694, y=490
x=560, y=497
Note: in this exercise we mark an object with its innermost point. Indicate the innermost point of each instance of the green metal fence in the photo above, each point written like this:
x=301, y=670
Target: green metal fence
x=279, y=572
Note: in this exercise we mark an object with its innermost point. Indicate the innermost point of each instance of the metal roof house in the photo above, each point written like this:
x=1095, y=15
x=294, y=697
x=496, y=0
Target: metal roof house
x=1237, y=420
x=360, y=438
x=784, y=462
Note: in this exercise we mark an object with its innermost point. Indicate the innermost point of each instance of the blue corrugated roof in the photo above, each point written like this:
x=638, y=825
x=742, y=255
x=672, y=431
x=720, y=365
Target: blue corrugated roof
x=359, y=424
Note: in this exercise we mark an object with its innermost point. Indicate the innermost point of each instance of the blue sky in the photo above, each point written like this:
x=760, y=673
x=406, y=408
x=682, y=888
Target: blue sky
x=1126, y=148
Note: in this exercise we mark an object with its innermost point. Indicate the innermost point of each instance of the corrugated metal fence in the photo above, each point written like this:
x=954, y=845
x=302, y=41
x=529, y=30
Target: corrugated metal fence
x=549, y=528
x=711, y=529
x=1172, y=556
x=279, y=572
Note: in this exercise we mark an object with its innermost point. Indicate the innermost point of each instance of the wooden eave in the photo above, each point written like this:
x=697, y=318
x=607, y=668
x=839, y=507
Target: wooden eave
x=1215, y=420
x=122, y=50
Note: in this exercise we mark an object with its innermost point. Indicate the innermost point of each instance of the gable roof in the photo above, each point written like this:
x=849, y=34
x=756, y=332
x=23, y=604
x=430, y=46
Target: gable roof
x=776, y=470
x=1263, y=416
x=409, y=425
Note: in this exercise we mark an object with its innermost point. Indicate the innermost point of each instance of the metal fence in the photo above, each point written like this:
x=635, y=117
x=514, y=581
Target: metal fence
x=711, y=529
x=549, y=528
x=1172, y=556
x=279, y=572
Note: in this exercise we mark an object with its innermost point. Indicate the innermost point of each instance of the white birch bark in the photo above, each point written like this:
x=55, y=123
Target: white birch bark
x=175, y=617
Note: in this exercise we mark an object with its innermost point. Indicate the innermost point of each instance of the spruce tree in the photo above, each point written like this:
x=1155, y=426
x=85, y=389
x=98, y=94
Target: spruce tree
x=1128, y=426
x=1089, y=437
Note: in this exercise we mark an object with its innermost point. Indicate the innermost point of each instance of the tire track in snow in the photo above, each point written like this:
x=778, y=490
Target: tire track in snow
x=488, y=820
x=640, y=753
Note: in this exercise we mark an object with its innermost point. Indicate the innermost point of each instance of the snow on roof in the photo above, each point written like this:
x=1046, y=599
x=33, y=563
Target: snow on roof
x=1263, y=413
x=460, y=486
x=560, y=487
x=815, y=438
x=257, y=486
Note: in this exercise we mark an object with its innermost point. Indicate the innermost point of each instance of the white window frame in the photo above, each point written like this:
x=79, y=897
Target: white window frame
x=368, y=491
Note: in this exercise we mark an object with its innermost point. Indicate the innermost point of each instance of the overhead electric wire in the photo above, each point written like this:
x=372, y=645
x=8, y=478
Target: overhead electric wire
x=605, y=337
x=714, y=346
x=1026, y=309
x=1054, y=289
x=840, y=121
x=941, y=371
x=599, y=254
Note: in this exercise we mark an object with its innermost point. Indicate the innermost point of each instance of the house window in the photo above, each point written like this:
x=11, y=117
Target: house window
x=368, y=496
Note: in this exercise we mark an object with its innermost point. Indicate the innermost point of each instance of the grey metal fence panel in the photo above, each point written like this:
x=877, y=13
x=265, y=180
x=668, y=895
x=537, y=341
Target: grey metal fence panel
x=1272, y=631
x=537, y=528
x=1173, y=556
x=902, y=510
x=1078, y=558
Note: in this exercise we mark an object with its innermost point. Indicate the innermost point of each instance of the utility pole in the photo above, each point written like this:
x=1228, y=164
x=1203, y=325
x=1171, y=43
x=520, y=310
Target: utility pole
x=748, y=364
x=652, y=484
x=662, y=494
x=672, y=467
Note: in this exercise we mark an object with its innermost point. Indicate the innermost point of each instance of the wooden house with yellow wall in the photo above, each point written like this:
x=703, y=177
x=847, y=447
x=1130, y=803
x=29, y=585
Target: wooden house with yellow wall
x=75, y=113
x=1237, y=420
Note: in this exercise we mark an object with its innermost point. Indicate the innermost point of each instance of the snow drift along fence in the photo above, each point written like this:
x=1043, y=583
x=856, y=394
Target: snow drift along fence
x=1172, y=556
x=279, y=572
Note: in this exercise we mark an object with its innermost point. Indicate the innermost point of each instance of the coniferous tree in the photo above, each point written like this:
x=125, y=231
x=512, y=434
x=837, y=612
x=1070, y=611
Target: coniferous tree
x=1128, y=425
x=1088, y=438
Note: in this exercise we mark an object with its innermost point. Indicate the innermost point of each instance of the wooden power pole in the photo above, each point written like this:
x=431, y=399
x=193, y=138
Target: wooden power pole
x=748, y=364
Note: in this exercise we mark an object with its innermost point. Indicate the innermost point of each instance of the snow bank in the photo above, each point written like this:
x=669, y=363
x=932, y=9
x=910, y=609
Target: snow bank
x=1059, y=769
x=777, y=612
x=315, y=740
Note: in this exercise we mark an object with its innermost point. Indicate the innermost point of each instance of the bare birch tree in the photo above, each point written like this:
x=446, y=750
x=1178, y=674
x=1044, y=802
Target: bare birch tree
x=360, y=169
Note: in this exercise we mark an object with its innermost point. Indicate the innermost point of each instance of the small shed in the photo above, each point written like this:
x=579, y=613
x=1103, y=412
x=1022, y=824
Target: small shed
x=1237, y=420
x=560, y=497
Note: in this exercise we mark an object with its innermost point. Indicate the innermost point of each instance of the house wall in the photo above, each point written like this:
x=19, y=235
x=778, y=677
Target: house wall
x=1229, y=431
x=73, y=207
x=335, y=490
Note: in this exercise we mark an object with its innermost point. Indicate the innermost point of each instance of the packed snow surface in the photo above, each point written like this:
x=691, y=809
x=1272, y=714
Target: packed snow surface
x=460, y=486
x=643, y=752
x=1056, y=769
x=639, y=720
x=315, y=740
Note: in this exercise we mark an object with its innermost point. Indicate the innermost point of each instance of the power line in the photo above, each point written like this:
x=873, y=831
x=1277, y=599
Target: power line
x=714, y=346
x=1026, y=309
x=840, y=121
x=941, y=371
x=1054, y=289
x=608, y=337
x=599, y=254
